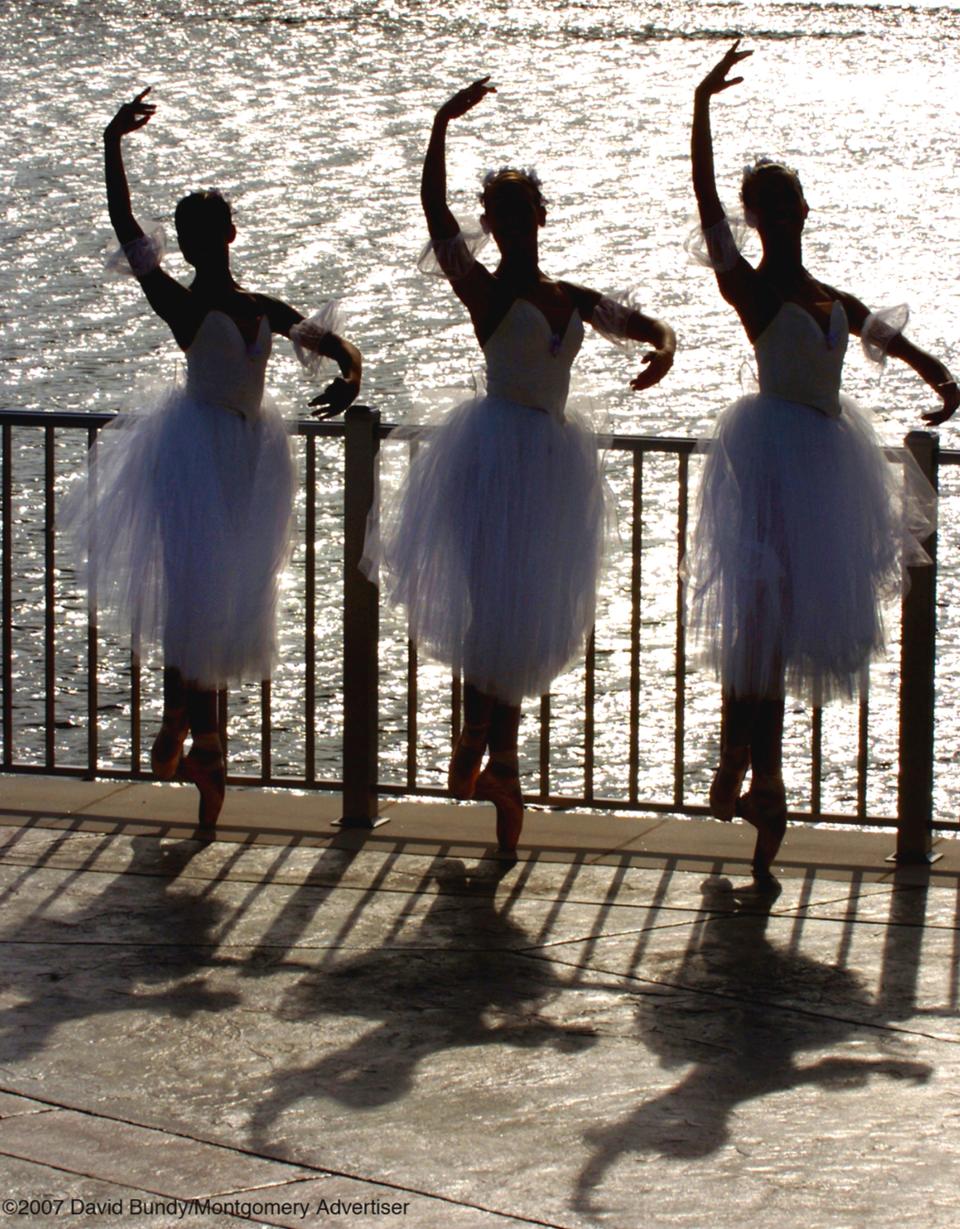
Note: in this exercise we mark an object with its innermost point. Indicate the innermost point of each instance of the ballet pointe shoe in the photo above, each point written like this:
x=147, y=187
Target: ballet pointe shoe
x=205, y=768
x=727, y=781
x=168, y=745
x=503, y=790
x=765, y=807
x=465, y=762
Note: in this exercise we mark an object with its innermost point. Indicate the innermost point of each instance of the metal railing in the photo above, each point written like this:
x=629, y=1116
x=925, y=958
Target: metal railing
x=363, y=779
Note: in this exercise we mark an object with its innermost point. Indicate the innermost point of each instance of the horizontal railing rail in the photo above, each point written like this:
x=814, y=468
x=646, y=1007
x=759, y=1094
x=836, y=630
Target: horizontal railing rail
x=652, y=477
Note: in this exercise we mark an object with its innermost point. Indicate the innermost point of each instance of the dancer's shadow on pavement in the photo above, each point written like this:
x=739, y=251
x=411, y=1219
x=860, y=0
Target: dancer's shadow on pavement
x=141, y=944
x=730, y=1021
x=460, y=982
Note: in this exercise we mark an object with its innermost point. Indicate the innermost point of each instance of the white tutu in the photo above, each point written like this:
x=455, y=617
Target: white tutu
x=803, y=527
x=494, y=544
x=188, y=516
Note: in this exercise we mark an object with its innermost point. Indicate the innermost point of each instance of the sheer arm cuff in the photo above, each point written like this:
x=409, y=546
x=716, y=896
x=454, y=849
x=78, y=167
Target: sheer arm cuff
x=719, y=246
x=138, y=257
x=880, y=329
x=308, y=334
x=452, y=258
x=611, y=318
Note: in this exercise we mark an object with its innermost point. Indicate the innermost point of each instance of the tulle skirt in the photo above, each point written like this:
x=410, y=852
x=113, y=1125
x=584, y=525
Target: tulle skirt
x=185, y=529
x=494, y=542
x=802, y=533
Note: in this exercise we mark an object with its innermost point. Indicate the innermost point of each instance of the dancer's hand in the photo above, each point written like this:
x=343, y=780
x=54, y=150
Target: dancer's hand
x=658, y=363
x=335, y=398
x=950, y=395
x=466, y=99
x=715, y=82
x=130, y=117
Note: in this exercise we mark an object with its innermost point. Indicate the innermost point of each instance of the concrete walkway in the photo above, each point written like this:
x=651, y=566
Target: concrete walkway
x=296, y=1026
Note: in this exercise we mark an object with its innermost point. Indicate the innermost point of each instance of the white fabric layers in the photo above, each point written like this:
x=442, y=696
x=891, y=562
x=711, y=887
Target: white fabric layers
x=187, y=516
x=140, y=256
x=452, y=258
x=880, y=329
x=495, y=543
x=803, y=529
x=612, y=317
x=718, y=247
x=309, y=333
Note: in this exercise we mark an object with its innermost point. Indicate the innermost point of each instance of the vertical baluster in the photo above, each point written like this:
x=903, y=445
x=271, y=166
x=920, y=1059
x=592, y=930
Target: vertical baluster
x=816, y=760
x=310, y=613
x=636, y=558
x=93, y=703
x=222, y=718
x=6, y=482
x=456, y=706
x=413, y=699
x=266, y=733
x=863, y=731
x=681, y=650
x=136, y=700
x=917, y=695
x=49, y=599
x=413, y=688
x=589, y=719
x=361, y=623
x=545, y=746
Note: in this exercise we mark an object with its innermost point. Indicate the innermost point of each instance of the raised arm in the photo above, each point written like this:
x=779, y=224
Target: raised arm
x=433, y=182
x=704, y=179
x=130, y=117
x=737, y=279
x=171, y=301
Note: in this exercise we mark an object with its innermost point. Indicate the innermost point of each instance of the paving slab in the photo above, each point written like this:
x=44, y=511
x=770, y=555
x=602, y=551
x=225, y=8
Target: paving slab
x=596, y=1035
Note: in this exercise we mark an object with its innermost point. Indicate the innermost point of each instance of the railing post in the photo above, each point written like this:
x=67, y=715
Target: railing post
x=917, y=697
x=361, y=623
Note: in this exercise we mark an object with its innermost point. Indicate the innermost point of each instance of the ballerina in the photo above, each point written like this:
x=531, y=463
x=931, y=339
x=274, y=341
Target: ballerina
x=495, y=540
x=802, y=522
x=190, y=505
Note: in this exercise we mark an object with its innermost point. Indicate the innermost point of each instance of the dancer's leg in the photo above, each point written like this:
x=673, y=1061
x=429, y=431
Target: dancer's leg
x=736, y=729
x=168, y=744
x=765, y=806
x=204, y=765
x=471, y=743
x=499, y=782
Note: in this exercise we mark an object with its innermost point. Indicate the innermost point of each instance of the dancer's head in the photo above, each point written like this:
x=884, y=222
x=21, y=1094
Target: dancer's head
x=513, y=207
x=205, y=227
x=773, y=199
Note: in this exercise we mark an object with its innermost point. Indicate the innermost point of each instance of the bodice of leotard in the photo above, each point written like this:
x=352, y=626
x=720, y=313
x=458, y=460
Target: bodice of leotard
x=527, y=362
x=223, y=369
x=796, y=360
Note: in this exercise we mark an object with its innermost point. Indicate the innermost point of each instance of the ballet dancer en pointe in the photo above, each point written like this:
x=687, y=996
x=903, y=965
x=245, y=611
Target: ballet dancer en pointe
x=803, y=525
x=495, y=540
x=189, y=514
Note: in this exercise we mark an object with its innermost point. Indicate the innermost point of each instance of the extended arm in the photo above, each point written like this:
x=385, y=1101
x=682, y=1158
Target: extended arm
x=931, y=370
x=343, y=391
x=619, y=322
x=316, y=337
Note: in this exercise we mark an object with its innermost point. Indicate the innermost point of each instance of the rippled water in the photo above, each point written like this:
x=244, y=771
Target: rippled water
x=313, y=117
